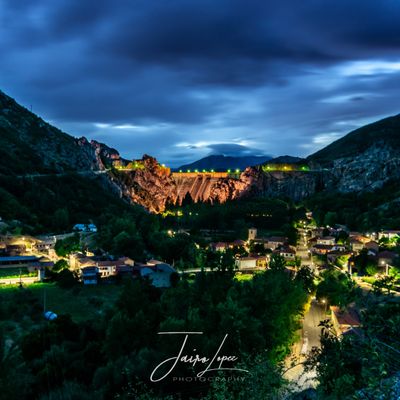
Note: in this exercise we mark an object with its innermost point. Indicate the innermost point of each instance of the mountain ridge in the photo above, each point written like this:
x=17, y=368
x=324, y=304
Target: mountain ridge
x=29, y=145
x=221, y=162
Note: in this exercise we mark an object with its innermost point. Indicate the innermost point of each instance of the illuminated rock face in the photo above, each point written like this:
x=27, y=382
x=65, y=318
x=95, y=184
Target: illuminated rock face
x=367, y=171
x=151, y=186
x=154, y=186
x=213, y=187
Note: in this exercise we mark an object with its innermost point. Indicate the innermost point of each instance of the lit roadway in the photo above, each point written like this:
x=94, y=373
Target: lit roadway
x=302, y=251
x=310, y=337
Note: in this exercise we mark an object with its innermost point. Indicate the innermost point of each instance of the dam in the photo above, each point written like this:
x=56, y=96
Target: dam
x=199, y=184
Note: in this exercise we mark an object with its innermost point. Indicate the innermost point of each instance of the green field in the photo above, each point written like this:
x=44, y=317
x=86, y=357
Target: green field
x=81, y=302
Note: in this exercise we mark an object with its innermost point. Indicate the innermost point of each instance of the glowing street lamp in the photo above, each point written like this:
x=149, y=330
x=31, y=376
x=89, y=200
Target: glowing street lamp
x=237, y=171
x=229, y=171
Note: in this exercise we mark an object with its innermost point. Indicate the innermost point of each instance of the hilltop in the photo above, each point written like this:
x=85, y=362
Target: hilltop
x=383, y=133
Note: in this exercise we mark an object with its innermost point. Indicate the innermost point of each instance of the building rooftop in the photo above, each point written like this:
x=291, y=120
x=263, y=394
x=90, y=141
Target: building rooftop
x=18, y=258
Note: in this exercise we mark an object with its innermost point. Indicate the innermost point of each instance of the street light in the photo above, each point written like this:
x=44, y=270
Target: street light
x=324, y=303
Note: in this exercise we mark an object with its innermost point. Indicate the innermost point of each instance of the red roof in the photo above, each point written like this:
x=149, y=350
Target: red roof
x=347, y=317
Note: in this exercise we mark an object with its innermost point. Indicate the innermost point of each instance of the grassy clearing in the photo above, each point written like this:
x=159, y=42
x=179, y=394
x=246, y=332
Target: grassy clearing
x=81, y=302
x=243, y=277
x=369, y=279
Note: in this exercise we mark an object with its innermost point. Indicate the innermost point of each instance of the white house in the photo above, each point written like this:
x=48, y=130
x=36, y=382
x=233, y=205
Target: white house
x=326, y=240
x=255, y=262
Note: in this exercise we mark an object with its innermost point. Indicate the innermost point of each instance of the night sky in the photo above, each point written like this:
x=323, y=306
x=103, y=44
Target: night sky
x=183, y=79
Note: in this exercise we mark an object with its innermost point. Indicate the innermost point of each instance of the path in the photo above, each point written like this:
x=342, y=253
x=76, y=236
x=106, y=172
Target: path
x=310, y=337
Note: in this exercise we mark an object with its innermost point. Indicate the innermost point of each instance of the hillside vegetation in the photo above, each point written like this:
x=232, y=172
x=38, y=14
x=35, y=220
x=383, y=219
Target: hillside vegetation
x=385, y=131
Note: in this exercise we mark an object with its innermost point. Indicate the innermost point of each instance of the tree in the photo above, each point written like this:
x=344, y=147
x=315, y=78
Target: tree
x=68, y=245
x=384, y=283
x=306, y=277
x=15, y=380
x=60, y=265
x=66, y=279
x=331, y=218
x=61, y=219
x=364, y=263
x=337, y=288
x=277, y=262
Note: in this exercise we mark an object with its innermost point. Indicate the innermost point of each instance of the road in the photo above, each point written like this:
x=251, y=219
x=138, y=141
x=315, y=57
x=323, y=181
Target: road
x=59, y=174
x=310, y=337
x=302, y=251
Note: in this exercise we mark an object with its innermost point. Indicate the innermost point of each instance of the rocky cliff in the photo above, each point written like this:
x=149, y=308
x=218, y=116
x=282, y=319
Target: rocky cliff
x=367, y=171
x=149, y=184
x=153, y=186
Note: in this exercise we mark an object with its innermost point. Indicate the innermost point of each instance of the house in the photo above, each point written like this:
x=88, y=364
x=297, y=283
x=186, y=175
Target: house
x=158, y=272
x=16, y=249
x=109, y=268
x=388, y=234
x=237, y=243
x=79, y=260
x=251, y=262
x=344, y=320
x=372, y=247
x=286, y=252
x=326, y=240
x=356, y=245
x=273, y=242
x=321, y=249
x=219, y=246
x=90, y=275
x=124, y=270
x=106, y=268
x=44, y=246
x=84, y=228
x=339, y=247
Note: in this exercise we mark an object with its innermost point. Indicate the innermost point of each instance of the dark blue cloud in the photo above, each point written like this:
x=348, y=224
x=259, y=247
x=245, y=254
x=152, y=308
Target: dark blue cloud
x=179, y=79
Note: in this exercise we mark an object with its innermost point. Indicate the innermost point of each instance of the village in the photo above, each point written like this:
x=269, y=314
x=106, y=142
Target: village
x=25, y=259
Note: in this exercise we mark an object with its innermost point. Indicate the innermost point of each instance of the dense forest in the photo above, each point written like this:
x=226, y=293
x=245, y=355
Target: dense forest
x=113, y=355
